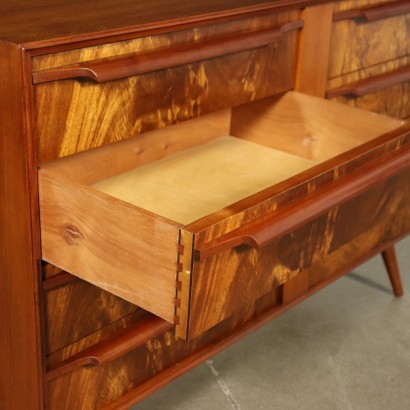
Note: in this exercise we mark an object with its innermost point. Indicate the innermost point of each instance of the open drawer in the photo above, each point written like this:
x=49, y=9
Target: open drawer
x=192, y=224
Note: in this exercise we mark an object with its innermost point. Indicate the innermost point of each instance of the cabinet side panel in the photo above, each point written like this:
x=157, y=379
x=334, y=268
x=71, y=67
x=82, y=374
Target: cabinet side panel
x=20, y=352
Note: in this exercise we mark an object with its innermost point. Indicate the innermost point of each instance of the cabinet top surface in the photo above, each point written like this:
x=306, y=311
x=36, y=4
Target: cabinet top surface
x=42, y=23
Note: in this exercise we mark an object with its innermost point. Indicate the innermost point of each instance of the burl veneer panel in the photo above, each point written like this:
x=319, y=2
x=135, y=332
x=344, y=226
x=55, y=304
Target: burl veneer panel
x=77, y=309
x=76, y=115
x=356, y=45
x=108, y=383
x=243, y=274
x=393, y=101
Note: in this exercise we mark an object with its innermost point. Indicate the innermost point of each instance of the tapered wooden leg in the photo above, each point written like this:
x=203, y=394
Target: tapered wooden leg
x=390, y=261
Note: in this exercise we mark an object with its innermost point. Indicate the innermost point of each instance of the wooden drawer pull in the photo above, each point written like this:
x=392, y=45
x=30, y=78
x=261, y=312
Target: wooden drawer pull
x=372, y=84
x=114, y=68
x=60, y=279
x=108, y=350
x=374, y=13
x=295, y=215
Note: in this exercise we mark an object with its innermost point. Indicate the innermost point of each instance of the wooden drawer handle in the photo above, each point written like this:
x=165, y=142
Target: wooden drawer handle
x=371, y=84
x=106, y=351
x=295, y=215
x=375, y=13
x=114, y=68
x=57, y=280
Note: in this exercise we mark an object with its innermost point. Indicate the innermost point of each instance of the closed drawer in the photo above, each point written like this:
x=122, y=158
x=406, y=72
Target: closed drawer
x=64, y=296
x=124, y=363
x=194, y=227
x=384, y=88
x=90, y=97
x=367, y=33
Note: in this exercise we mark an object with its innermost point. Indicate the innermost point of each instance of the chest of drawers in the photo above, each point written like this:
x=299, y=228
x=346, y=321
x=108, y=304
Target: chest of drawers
x=173, y=177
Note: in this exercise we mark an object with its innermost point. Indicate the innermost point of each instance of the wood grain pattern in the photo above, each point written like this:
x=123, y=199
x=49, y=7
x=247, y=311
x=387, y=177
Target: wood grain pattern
x=21, y=351
x=57, y=34
x=86, y=115
x=314, y=49
x=95, y=165
x=372, y=84
x=138, y=366
x=295, y=287
x=249, y=273
x=55, y=189
x=41, y=24
x=104, y=70
x=148, y=43
x=259, y=234
x=373, y=242
x=63, y=324
x=355, y=46
x=126, y=251
x=109, y=350
x=307, y=127
x=211, y=177
x=332, y=272
x=57, y=280
x=373, y=13
x=393, y=101
x=124, y=382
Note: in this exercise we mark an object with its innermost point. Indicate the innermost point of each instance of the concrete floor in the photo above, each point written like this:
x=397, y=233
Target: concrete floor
x=347, y=348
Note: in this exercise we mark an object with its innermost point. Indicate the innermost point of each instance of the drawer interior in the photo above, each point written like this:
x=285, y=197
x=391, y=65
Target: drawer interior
x=194, y=183
x=114, y=215
x=259, y=145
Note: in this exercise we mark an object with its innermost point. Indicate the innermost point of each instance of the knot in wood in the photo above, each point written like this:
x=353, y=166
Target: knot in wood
x=72, y=235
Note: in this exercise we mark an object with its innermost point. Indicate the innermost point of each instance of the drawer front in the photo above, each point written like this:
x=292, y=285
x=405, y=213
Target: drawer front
x=364, y=40
x=393, y=101
x=107, y=383
x=74, y=115
x=64, y=297
x=384, y=88
x=223, y=283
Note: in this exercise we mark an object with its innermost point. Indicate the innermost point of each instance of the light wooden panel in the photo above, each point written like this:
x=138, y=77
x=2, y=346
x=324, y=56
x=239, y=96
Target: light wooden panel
x=303, y=124
x=111, y=244
x=199, y=181
x=314, y=48
x=307, y=126
x=94, y=165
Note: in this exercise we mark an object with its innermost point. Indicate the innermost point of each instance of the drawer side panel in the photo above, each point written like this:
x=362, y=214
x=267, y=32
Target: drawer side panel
x=109, y=243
